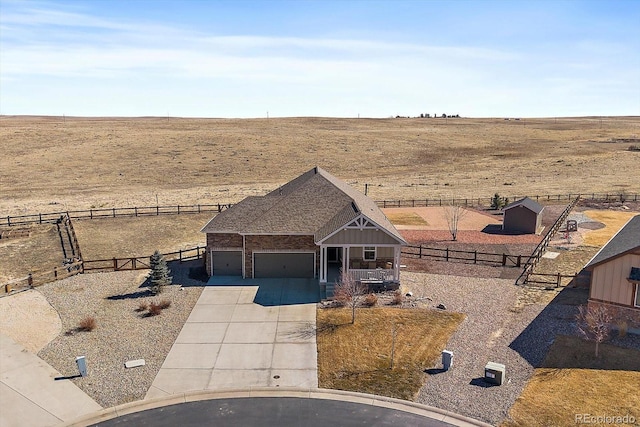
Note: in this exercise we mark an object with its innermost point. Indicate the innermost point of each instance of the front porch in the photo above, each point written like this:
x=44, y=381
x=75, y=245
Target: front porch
x=367, y=264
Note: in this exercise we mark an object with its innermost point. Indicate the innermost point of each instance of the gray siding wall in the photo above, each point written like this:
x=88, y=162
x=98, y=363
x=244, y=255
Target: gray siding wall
x=365, y=237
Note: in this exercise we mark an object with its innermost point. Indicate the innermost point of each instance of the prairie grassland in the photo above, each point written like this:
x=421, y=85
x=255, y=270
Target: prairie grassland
x=51, y=164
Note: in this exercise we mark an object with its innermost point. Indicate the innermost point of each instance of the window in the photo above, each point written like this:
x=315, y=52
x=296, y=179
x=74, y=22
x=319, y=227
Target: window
x=637, y=294
x=370, y=253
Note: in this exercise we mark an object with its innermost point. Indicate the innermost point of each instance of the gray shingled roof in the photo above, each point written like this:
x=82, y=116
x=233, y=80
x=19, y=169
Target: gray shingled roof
x=315, y=203
x=625, y=240
x=528, y=203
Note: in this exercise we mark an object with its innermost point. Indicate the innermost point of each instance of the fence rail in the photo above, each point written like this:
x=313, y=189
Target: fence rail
x=542, y=246
x=549, y=279
x=38, y=278
x=142, y=262
x=52, y=217
x=486, y=201
x=475, y=257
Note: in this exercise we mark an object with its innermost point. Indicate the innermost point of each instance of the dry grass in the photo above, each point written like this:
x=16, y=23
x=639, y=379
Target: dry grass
x=574, y=382
x=121, y=237
x=87, y=324
x=357, y=357
x=406, y=218
x=613, y=221
x=41, y=251
x=128, y=161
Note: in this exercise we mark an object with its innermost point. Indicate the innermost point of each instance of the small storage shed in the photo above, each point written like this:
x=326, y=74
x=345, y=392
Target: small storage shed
x=523, y=216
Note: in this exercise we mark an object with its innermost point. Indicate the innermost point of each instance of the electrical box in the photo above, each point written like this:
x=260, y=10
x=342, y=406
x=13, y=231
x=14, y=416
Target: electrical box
x=494, y=373
x=447, y=359
x=82, y=365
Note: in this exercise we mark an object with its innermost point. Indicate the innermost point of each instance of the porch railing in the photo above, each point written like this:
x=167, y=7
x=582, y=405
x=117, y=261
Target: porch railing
x=377, y=274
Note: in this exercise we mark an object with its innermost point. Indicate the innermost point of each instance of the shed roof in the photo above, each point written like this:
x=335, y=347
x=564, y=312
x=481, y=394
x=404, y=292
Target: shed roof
x=528, y=203
x=315, y=203
x=625, y=240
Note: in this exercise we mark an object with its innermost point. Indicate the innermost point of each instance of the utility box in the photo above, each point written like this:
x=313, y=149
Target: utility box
x=447, y=359
x=494, y=373
x=82, y=365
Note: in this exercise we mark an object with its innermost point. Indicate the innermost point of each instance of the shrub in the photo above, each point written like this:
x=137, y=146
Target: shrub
x=154, y=309
x=142, y=306
x=370, y=300
x=160, y=274
x=398, y=297
x=634, y=147
x=623, y=328
x=87, y=324
x=165, y=303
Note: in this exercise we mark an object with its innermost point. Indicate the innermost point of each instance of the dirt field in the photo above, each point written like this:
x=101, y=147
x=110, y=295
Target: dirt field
x=434, y=218
x=51, y=164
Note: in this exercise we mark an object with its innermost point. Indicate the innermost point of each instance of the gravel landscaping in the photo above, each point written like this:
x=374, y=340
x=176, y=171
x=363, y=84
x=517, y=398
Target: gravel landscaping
x=493, y=331
x=122, y=332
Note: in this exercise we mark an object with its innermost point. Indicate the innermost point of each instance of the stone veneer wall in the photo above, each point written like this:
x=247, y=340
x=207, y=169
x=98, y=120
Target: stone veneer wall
x=620, y=313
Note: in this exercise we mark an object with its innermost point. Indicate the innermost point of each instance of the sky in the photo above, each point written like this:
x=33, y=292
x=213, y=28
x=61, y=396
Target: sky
x=320, y=58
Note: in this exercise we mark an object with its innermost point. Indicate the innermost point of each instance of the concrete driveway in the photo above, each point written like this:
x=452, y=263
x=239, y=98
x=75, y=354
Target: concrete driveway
x=245, y=333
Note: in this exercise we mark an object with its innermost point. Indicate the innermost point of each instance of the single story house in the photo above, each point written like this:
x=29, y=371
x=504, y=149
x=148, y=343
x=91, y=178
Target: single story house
x=615, y=274
x=523, y=216
x=314, y=227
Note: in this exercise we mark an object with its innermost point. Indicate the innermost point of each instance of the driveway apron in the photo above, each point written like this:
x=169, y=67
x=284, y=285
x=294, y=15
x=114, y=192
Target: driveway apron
x=245, y=333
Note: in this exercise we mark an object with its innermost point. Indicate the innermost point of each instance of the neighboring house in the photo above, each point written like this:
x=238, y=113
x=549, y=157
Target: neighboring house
x=523, y=216
x=615, y=274
x=311, y=227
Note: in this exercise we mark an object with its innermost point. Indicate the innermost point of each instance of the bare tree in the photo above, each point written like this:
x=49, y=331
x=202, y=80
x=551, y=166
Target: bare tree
x=349, y=292
x=594, y=323
x=454, y=214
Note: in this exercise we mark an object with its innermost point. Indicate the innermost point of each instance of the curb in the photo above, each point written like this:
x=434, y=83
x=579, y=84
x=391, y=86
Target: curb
x=257, y=392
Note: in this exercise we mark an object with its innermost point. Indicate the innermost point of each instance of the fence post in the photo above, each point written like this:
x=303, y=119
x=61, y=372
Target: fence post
x=198, y=208
x=475, y=257
x=441, y=202
x=30, y=280
x=420, y=250
x=178, y=209
x=180, y=254
x=447, y=256
x=8, y=220
x=115, y=264
x=559, y=280
x=504, y=259
x=413, y=203
x=135, y=209
x=198, y=252
x=219, y=209
x=40, y=218
x=133, y=263
x=55, y=272
x=157, y=210
x=519, y=260
x=114, y=212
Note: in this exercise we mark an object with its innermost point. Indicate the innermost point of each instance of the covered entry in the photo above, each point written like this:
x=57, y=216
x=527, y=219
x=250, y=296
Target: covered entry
x=277, y=264
x=226, y=263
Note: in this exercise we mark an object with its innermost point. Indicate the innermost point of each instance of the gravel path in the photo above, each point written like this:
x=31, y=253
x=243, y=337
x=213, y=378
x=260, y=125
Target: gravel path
x=121, y=334
x=494, y=330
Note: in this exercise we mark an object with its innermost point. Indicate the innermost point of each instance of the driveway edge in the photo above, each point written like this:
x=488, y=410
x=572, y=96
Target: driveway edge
x=257, y=392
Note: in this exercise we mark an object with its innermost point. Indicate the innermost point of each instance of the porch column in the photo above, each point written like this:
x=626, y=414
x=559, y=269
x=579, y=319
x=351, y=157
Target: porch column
x=396, y=263
x=345, y=259
x=323, y=262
